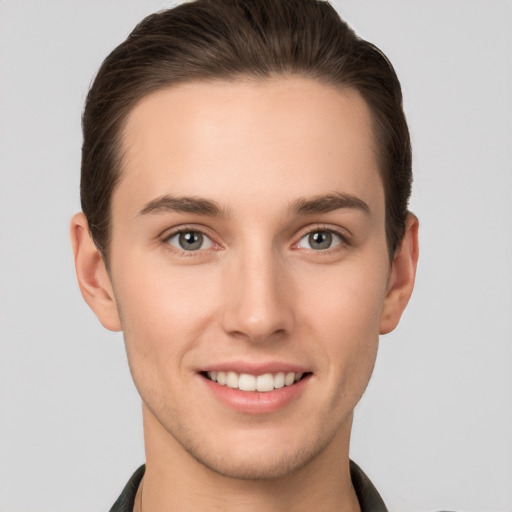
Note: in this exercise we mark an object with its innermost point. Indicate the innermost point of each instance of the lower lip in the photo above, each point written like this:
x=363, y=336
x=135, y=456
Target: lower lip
x=255, y=402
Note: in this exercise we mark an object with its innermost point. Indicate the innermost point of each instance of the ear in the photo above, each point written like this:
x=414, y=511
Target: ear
x=92, y=274
x=402, y=276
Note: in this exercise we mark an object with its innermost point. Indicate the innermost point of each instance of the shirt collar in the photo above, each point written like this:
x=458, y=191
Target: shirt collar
x=367, y=494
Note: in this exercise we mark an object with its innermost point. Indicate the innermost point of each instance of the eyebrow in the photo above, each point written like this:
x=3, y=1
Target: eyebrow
x=302, y=206
x=328, y=203
x=184, y=204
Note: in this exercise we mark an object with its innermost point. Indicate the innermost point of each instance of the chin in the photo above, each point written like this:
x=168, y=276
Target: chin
x=256, y=457
x=269, y=447
x=256, y=466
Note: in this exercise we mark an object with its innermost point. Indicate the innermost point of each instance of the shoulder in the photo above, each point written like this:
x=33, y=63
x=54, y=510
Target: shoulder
x=126, y=499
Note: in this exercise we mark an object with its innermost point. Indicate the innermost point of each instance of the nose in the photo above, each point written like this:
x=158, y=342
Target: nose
x=259, y=301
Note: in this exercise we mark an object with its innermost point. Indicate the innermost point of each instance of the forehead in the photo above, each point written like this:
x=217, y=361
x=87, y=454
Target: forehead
x=278, y=138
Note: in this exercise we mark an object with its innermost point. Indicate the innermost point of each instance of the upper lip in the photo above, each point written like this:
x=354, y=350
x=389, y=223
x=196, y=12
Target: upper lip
x=252, y=368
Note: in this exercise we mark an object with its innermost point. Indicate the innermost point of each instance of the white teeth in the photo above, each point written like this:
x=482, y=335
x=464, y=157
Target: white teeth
x=262, y=383
x=265, y=382
x=247, y=382
x=279, y=380
x=289, y=379
x=232, y=380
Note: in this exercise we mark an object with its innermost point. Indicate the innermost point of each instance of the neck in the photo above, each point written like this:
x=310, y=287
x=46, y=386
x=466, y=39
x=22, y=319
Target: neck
x=175, y=481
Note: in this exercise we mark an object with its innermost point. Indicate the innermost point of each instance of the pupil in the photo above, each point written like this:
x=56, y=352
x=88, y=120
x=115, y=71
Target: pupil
x=320, y=240
x=191, y=240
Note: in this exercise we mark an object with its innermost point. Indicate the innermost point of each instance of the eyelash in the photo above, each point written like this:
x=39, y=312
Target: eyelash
x=182, y=252
x=343, y=237
x=344, y=240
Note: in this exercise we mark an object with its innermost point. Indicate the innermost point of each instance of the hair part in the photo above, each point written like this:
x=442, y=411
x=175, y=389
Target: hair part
x=227, y=40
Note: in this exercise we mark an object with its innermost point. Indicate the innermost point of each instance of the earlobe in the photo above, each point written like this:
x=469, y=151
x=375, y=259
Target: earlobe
x=402, y=276
x=92, y=275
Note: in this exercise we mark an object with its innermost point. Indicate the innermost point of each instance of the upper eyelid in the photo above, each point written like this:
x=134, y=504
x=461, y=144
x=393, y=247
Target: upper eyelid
x=343, y=241
x=170, y=232
x=343, y=233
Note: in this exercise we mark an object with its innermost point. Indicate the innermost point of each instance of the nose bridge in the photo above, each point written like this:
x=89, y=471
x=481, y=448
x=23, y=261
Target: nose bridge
x=258, y=306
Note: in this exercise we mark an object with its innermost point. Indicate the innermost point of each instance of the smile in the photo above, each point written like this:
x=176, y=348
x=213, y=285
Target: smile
x=262, y=383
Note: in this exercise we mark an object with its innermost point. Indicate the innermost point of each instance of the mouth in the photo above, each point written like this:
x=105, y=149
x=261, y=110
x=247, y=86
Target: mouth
x=263, y=383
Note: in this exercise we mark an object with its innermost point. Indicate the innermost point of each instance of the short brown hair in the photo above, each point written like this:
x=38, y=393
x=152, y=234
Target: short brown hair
x=226, y=39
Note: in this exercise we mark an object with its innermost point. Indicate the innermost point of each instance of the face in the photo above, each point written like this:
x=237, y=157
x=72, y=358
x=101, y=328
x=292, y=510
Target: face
x=250, y=269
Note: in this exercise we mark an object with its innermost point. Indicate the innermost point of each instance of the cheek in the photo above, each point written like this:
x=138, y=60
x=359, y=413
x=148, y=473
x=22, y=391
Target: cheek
x=349, y=298
x=164, y=312
x=344, y=316
x=348, y=326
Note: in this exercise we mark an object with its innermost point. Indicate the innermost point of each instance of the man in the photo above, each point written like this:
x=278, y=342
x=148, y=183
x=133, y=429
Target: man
x=246, y=171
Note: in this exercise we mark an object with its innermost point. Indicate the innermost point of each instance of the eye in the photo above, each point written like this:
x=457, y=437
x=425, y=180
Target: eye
x=190, y=240
x=320, y=240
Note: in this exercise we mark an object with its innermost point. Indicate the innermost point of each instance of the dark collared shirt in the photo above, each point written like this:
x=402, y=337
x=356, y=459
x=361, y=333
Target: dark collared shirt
x=369, y=498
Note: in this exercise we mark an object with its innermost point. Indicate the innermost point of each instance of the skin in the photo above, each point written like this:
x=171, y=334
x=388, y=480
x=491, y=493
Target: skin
x=256, y=291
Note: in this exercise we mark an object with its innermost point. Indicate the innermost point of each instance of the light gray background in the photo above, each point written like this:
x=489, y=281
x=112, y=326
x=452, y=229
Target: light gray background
x=434, y=430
